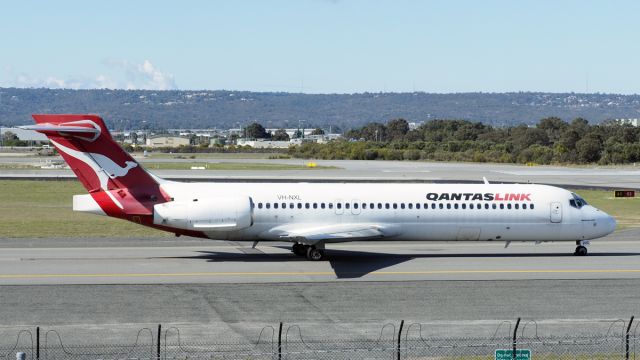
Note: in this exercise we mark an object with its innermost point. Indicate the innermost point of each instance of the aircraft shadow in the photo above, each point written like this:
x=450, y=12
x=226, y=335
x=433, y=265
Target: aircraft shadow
x=350, y=264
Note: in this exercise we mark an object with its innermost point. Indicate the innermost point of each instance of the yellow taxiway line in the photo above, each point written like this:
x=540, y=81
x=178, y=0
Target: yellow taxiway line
x=311, y=273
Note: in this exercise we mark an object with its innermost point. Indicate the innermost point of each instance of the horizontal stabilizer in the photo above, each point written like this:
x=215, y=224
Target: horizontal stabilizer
x=84, y=129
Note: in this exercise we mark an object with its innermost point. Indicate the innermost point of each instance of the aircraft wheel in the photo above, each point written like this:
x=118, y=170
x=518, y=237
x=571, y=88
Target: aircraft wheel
x=299, y=249
x=315, y=254
x=581, y=251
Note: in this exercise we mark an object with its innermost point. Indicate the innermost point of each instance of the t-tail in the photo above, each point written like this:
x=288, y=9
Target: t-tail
x=118, y=186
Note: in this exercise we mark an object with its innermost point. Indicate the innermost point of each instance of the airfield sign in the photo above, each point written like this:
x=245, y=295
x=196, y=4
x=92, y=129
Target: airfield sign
x=507, y=354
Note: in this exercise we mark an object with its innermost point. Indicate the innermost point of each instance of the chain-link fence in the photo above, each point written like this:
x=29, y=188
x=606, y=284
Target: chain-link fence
x=508, y=340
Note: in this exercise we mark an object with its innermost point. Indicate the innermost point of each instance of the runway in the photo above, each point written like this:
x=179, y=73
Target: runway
x=107, y=289
x=374, y=171
x=146, y=262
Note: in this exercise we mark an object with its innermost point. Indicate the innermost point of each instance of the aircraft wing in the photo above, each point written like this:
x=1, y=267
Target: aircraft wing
x=312, y=233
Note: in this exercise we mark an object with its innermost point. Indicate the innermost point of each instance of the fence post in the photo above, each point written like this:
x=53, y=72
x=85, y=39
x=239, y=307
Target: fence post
x=399, y=337
x=158, y=342
x=626, y=347
x=280, y=342
x=38, y=343
x=515, y=334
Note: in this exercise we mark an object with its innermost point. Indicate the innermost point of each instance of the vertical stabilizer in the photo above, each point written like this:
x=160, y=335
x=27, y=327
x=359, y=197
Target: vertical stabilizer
x=115, y=180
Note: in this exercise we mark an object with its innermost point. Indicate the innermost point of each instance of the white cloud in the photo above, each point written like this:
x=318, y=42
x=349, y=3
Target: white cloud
x=122, y=75
x=142, y=76
x=156, y=79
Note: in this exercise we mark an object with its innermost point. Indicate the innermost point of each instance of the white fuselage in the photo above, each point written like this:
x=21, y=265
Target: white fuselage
x=409, y=212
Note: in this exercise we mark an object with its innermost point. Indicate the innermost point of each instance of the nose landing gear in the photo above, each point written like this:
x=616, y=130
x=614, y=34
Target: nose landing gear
x=581, y=249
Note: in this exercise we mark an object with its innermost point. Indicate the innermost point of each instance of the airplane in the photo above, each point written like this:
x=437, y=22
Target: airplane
x=311, y=215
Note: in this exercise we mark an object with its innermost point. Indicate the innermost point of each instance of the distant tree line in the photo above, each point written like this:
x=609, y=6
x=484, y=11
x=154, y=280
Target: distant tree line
x=551, y=140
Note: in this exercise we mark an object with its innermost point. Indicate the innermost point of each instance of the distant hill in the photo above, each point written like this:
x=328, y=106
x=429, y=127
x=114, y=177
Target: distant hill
x=135, y=109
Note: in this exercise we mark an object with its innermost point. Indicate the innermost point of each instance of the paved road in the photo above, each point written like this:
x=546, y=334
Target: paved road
x=225, y=262
x=349, y=170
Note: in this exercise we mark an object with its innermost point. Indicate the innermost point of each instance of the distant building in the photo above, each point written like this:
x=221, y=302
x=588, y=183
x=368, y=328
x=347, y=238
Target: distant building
x=633, y=122
x=167, y=141
x=264, y=144
x=217, y=141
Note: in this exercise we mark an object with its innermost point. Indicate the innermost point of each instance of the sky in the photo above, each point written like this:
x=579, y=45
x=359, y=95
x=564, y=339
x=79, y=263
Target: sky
x=323, y=46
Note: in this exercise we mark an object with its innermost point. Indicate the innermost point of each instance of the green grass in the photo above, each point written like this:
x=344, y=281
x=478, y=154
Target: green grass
x=230, y=166
x=30, y=208
x=12, y=166
x=43, y=209
x=208, y=166
x=210, y=155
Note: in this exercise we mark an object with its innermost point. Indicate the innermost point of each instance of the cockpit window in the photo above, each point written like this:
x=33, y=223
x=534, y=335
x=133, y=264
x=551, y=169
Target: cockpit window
x=577, y=202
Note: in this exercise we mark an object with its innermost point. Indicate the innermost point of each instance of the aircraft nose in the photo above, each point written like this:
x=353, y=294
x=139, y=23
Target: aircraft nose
x=609, y=223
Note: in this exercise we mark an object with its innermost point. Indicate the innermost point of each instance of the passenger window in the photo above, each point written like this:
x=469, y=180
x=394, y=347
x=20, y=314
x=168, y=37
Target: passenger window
x=493, y=206
x=433, y=206
x=464, y=206
x=284, y=205
x=371, y=206
x=268, y=205
x=441, y=206
x=315, y=205
x=531, y=206
x=330, y=205
x=386, y=205
x=479, y=206
x=509, y=206
x=291, y=206
x=306, y=205
x=259, y=205
x=321, y=205
x=418, y=206
x=486, y=206
x=501, y=206
x=524, y=206
x=339, y=205
x=299, y=205
x=347, y=205
x=355, y=205
x=410, y=205
x=455, y=206
x=471, y=206
x=517, y=206
x=449, y=206
x=364, y=205
x=379, y=205
x=395, y=206
x=275, y=205
x=401, y=205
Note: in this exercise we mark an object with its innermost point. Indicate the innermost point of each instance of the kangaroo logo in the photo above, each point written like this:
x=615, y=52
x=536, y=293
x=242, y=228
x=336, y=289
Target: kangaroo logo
x=104, y=167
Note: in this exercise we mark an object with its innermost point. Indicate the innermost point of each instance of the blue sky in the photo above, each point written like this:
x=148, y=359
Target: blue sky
x=323, y=46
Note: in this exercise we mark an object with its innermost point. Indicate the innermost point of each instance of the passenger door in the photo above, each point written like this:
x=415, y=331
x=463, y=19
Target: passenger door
x=556, y=212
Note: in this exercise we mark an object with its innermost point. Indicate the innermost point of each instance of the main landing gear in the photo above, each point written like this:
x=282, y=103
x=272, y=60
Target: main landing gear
x=581, y=249
x=313, y=253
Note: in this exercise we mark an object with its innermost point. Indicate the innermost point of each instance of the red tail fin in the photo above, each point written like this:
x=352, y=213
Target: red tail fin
x=114, y=179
